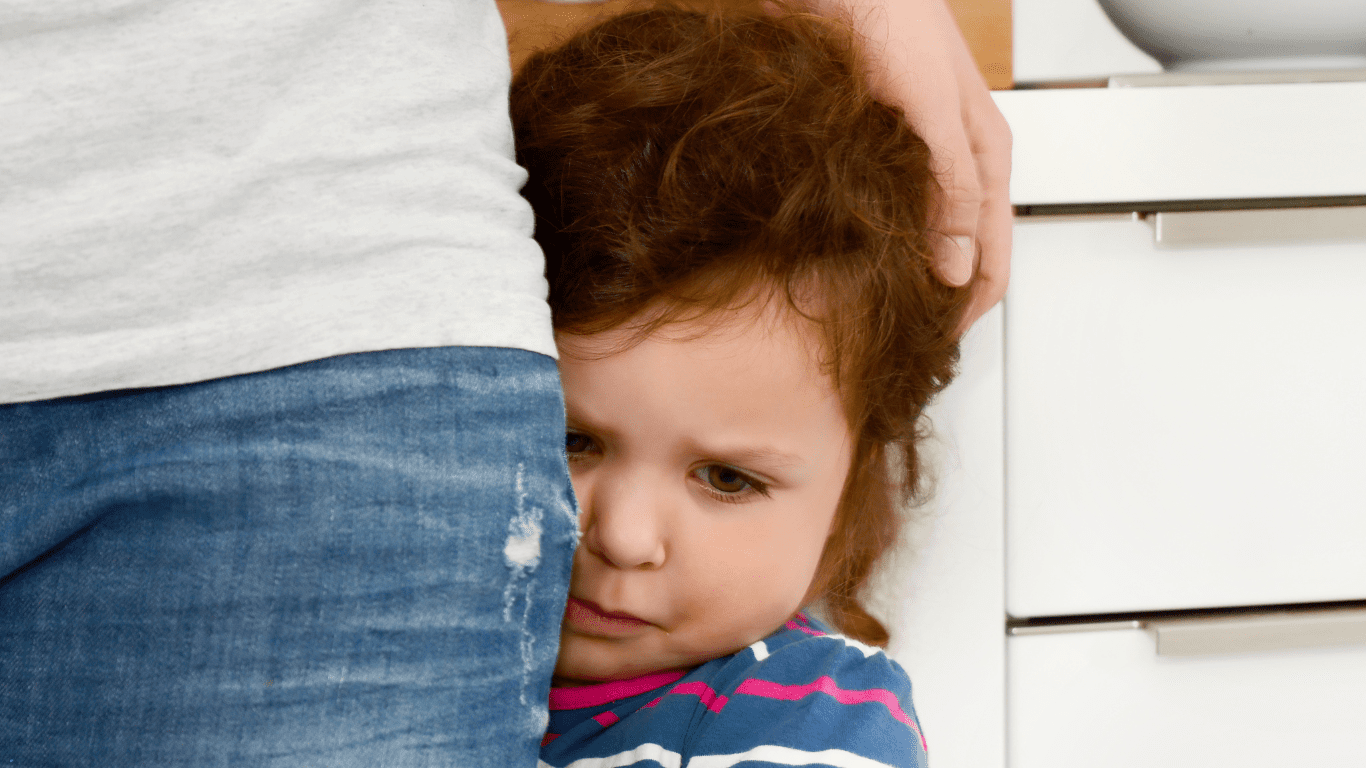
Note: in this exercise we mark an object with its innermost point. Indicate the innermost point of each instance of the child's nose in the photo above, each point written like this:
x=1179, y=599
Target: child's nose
x=623, y=522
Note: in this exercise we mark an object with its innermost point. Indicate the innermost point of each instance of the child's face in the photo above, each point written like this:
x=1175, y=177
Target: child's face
x=708, y=472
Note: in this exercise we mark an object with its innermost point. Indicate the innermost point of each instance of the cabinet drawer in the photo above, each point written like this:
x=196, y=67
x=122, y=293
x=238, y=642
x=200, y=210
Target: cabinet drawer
x=1105, y=699
x=1185, y=428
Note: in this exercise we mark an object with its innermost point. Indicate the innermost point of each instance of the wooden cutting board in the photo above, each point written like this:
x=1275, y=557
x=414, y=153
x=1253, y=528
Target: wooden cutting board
x=986, y=25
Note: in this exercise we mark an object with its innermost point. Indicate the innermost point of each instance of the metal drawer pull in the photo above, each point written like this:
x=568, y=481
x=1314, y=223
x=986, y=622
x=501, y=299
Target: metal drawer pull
x=1255, y=633
x=1260, y=226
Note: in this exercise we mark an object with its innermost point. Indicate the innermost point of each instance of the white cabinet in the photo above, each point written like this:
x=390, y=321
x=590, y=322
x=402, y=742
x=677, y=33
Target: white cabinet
x=1145, y=430
x=1185, y=428
x=1105, y=698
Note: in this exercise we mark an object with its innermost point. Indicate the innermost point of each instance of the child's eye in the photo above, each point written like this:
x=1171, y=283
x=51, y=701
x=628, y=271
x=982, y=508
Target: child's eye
x=577, y=444
x=729, y=484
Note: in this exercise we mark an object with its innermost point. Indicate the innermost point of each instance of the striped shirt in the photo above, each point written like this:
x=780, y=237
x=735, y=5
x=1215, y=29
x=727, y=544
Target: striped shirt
x=801, y=696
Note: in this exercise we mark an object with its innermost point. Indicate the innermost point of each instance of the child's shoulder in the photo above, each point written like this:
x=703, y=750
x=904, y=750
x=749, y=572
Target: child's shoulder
x=805, y=637
x=803, y=695
x=810, y=689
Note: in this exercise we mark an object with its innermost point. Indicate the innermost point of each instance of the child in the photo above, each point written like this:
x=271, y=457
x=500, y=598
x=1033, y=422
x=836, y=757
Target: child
x=738, y=247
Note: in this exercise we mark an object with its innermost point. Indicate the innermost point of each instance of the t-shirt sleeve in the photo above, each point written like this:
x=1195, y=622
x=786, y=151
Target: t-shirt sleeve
x=823, y=703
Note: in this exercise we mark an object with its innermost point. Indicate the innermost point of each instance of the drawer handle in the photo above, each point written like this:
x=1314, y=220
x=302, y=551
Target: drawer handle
x=1259, y=226
x=1254, y=633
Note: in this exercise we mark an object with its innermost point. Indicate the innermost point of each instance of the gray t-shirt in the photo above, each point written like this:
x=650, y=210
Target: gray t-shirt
x=191, y=190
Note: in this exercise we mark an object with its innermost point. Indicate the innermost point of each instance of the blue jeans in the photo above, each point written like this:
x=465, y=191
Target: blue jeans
x=359, y=561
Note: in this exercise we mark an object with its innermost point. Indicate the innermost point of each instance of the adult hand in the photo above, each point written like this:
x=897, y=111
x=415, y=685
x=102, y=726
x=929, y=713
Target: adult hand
x=921, y=62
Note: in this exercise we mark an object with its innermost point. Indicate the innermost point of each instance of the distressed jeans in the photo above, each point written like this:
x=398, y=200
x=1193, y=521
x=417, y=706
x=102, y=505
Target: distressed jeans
x=358, y=561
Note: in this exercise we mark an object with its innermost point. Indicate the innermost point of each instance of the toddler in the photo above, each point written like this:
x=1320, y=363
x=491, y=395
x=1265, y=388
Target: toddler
x=737, y=237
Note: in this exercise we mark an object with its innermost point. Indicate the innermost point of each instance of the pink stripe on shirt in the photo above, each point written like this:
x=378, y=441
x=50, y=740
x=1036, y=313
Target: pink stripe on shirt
x=704, y=692
x=824, y=684
x=597, y=695
x=792, y=624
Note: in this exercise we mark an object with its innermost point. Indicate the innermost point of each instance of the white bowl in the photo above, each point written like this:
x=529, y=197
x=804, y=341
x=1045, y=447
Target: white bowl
x=1224, y=35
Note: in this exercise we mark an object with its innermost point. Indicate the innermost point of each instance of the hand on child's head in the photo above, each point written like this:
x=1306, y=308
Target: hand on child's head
x=708, y=461
x=923, y=64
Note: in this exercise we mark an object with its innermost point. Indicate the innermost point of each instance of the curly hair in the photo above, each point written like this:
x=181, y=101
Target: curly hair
x=679, y=160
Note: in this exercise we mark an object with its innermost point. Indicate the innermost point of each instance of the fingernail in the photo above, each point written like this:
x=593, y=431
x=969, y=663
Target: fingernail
x=959, y=270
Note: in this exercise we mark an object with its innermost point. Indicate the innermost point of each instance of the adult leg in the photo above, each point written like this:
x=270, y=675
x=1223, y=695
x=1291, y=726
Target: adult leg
x=357, y=561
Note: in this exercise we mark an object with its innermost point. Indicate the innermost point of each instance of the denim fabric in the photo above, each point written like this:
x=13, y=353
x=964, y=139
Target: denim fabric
x=360, y=561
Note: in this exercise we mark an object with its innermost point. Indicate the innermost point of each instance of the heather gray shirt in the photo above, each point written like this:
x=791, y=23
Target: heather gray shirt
x=191, y=190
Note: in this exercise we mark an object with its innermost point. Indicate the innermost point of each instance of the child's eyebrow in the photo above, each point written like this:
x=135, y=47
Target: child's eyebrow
x=763, y=455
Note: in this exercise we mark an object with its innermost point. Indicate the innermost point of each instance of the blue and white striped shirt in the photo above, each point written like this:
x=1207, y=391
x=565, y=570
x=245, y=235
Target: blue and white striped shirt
x=801, y=696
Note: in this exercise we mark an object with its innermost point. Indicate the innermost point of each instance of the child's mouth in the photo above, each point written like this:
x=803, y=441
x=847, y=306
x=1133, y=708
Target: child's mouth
x=589, y=618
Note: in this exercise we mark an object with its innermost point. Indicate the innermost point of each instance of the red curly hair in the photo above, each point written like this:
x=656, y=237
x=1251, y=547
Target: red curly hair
x=679, y=160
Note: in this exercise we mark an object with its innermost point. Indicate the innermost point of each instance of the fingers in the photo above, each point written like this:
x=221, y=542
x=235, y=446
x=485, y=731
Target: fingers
x=939, y=110
x=989, y=136
x=922, y=62
x=993, y=268
x=956, y=166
